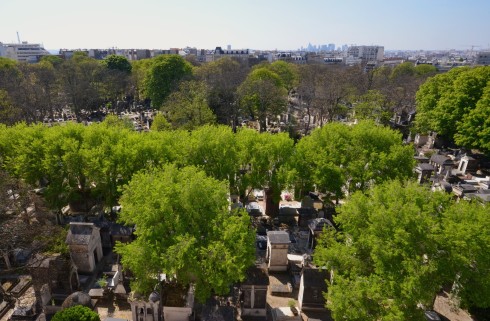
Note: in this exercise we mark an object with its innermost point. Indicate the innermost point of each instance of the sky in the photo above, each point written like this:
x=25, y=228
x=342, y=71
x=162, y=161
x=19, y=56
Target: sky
x=247, y=24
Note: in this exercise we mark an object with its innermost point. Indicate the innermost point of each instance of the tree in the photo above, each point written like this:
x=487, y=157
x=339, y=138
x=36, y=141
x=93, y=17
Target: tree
x=116, y=77
x=261, y=157
x=288, y=73
x=263, y=96
x=9, y=114
x=188, y=108
x=76, y=313
x=25, y=222
x=160, y=123
x=164, y=75
x=81, y=78
x=374, y=106
x=338, y=157
x=213, y=148
x=116, y=62
x=222, y=78
x=474, y=129
x=184, y=228
x=444, y=100
x=397, y=246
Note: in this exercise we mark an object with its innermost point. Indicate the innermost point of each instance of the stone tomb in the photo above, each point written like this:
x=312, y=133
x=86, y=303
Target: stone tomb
x=277, y=250
x=85, y=246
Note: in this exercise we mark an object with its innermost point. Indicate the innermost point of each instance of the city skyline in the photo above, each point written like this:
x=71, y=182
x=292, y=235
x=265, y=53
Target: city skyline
x=274, y=24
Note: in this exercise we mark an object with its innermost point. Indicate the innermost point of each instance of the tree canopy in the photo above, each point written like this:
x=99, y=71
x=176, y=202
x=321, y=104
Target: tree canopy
x=339, y=157
x=446, y=104
x=263, y=95
x=163, y=76
x=184, y=228
x=397, y=246
x=188, y=107
x=116, y=62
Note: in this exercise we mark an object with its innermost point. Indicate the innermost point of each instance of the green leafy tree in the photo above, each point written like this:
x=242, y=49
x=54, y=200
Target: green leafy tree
x=76, y=313
x=116, y=62
x=55, y=61
x=213, y=148
x=188, y=108
x=163, y=76
x=374, y=106
x=184, y=228
x=160, y=123
x=339, y=157
x=444, y=100
x=116, y=78
x=261, y=157
x=263, y=95
x=425, y=69
x=474, y=128
x=288, y=73
x=397, y=246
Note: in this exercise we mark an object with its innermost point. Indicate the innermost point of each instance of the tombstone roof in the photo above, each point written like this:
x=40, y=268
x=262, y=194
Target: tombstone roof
x=278, y=237
x=441, y=159
x=317, y=224
x=315, y=278
x=77, y=298
x=425, y=167
x=256, y=276
x=115, y=228
x=80, y=233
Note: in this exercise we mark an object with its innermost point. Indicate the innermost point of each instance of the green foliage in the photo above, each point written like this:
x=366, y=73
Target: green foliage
x=55, y=242
x=403, y=70
x=112, y=121
x=339, y=156
x=374, y=106
x=76, y=313
x=8, y=112
x=203, y=242
x=445, y=103
x=55, y=61
x=188, y=108
x=474, y=129
x=263, y=155
x=7, y=63
x=425, y=69
x=262, y=95
x=160, y=123
x=116, y=62
x=398, y=245
x=288, y=73
x=213, y=148
x=163, y=76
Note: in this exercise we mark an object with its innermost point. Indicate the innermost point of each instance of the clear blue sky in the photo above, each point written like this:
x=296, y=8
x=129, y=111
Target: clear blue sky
x=254, y=24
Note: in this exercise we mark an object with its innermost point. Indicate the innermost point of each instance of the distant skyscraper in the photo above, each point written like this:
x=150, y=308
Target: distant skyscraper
x=228, y=47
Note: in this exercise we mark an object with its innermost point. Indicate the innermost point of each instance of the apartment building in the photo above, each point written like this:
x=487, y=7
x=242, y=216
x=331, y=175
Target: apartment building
x=23, y=52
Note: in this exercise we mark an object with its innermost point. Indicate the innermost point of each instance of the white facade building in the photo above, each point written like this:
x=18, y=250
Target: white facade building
x=23, y=52
x=356, y=54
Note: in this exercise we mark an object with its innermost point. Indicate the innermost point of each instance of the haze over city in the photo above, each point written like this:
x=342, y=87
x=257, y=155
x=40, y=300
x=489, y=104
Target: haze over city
x=273, y=24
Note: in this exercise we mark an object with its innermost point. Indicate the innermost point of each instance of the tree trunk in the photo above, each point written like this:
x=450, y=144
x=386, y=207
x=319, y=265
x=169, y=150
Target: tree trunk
x=271, y=206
